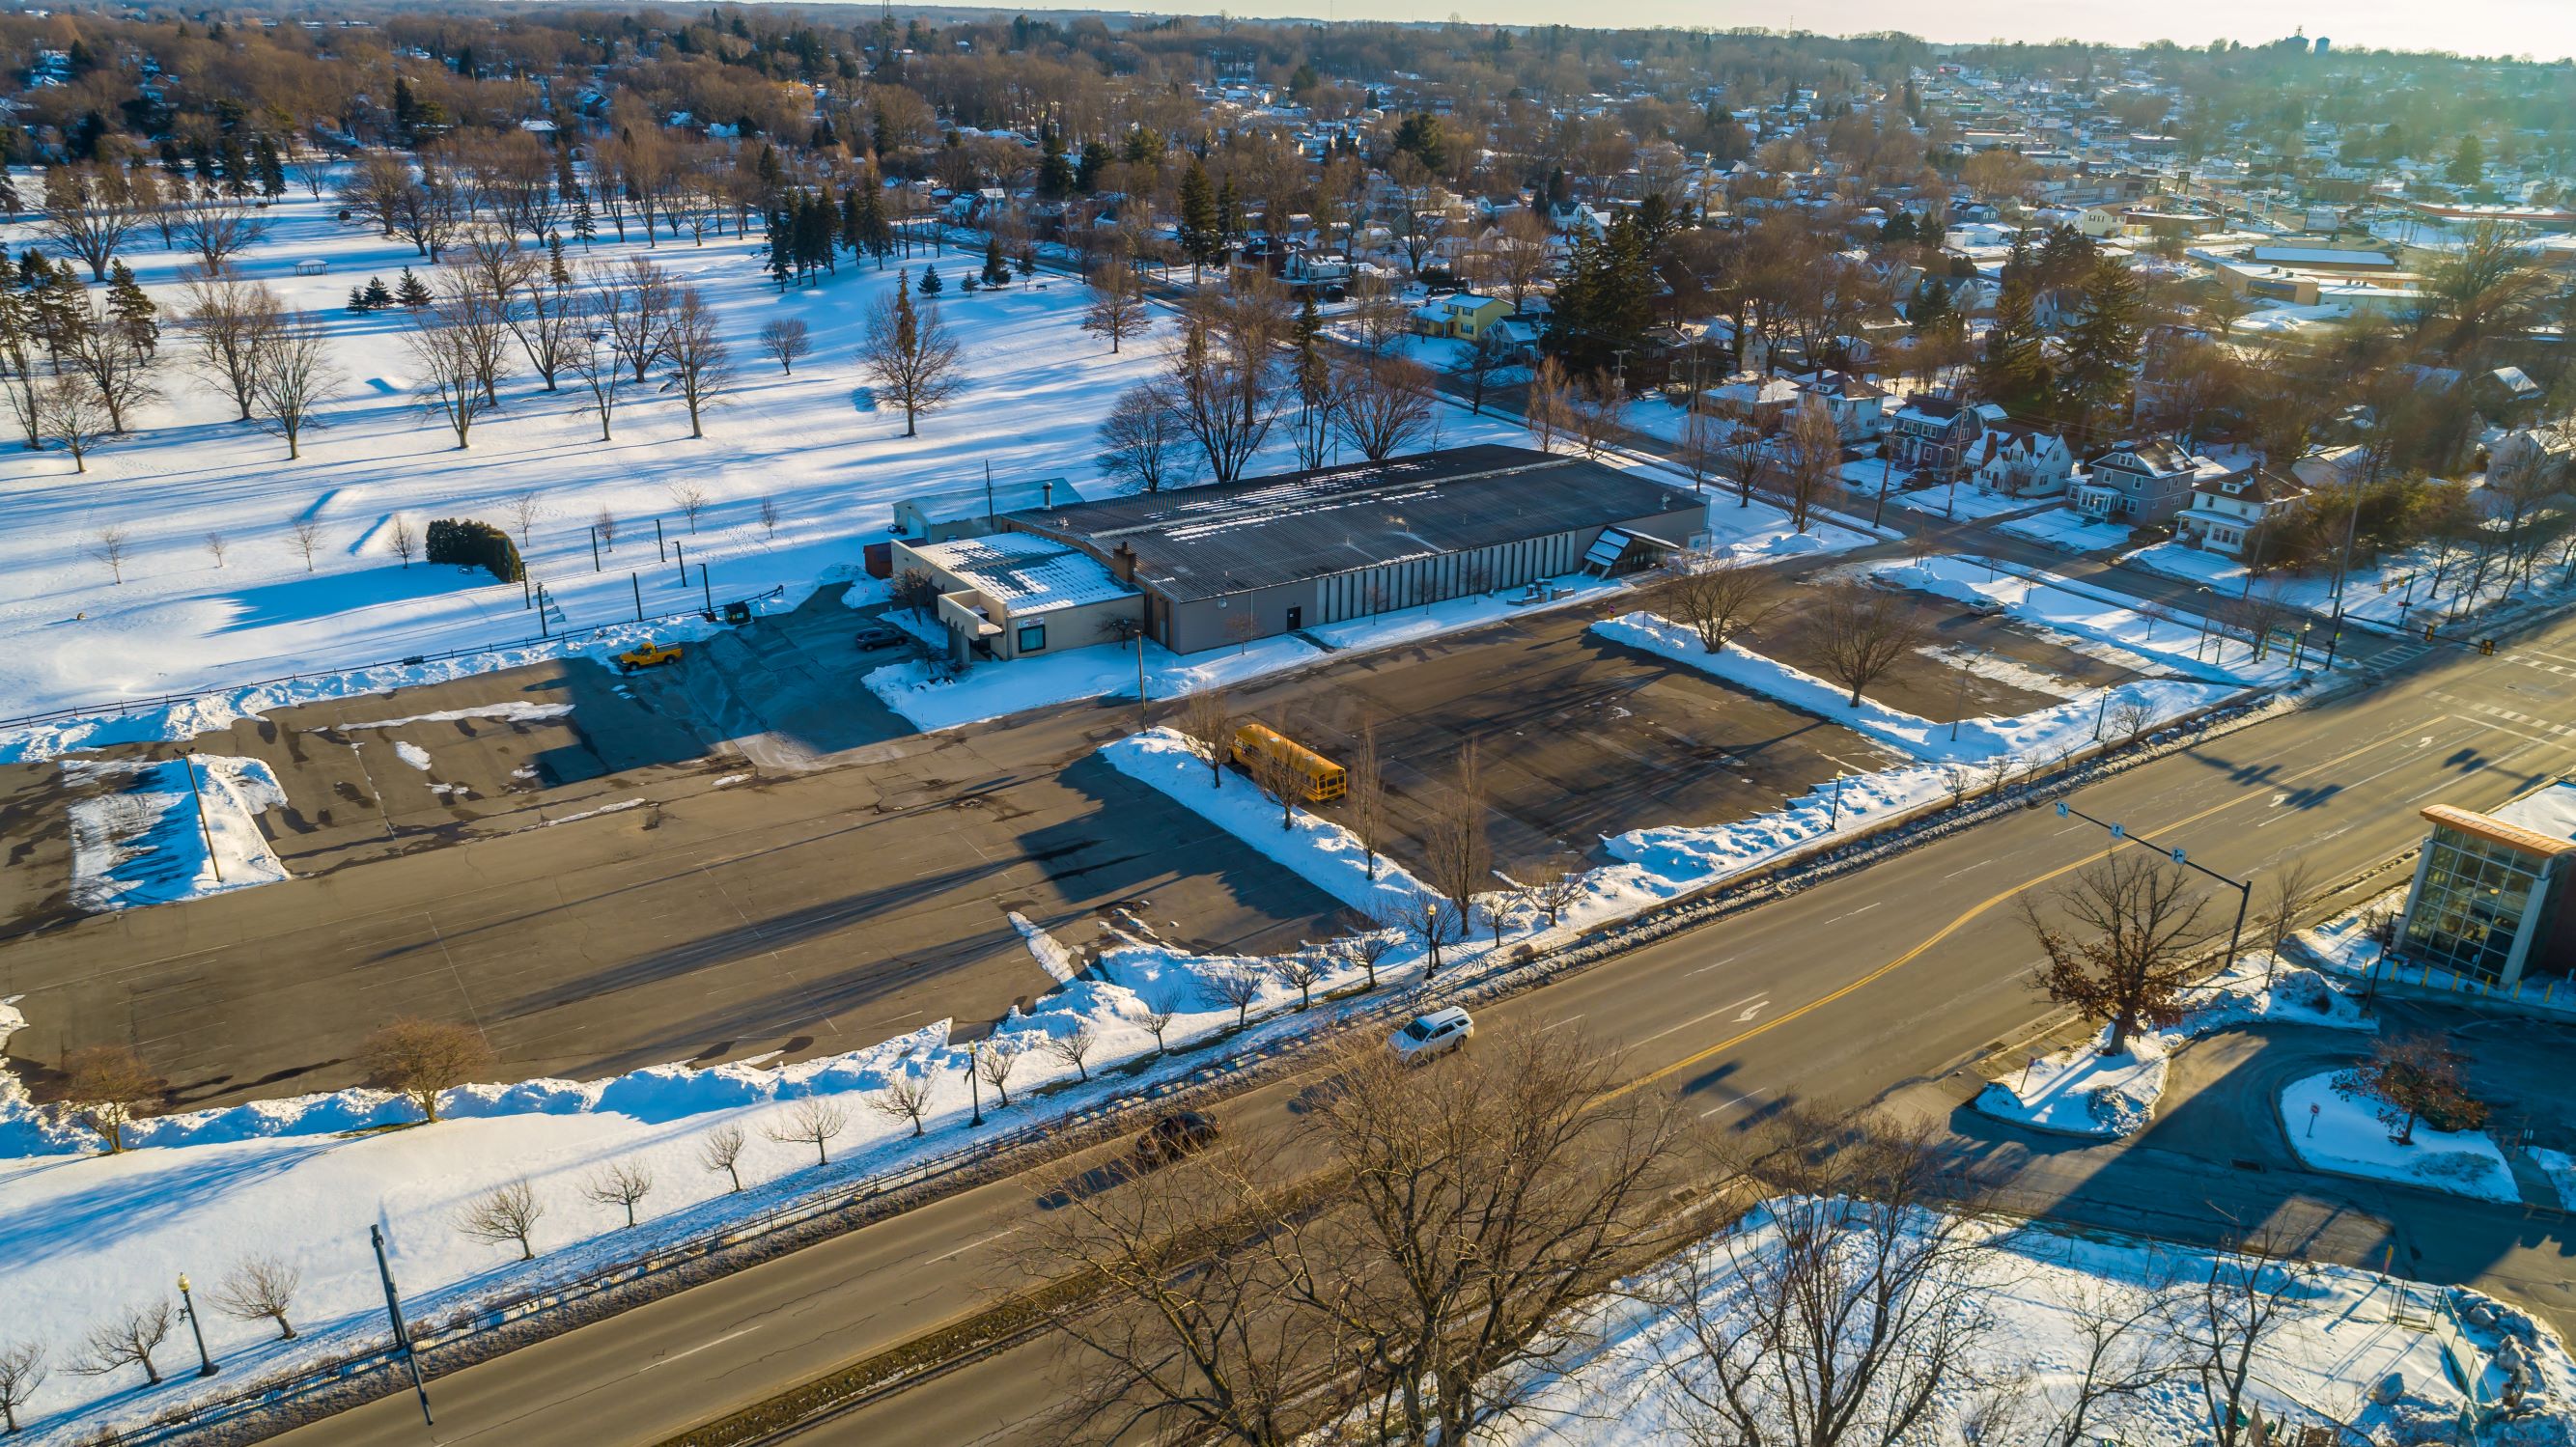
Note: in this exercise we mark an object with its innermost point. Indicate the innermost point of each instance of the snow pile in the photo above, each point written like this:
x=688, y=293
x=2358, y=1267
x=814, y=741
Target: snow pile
x=2038, y=1290
x=145, y=842
x=1321, y=852
x=2084, y=1091
x=933, y=700
x=1052, y=956
x=412, y=754
x=2558, y=1166
x=2295, y=996
x=517, y=710
x=2333, y=1133
x=2044, y=733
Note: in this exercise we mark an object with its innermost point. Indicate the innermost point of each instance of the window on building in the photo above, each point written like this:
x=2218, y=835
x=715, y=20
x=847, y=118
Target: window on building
x=2465, y=918
x=1032, y=637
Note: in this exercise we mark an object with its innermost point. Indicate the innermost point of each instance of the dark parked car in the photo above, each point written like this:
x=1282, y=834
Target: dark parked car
x=879, y=635
x=1176, y=1135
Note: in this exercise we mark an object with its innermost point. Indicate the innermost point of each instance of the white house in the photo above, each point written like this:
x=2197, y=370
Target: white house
x=2014, y=461
x=2225, y=512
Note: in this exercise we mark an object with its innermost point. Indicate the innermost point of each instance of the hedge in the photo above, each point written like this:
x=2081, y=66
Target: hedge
x=471, y=544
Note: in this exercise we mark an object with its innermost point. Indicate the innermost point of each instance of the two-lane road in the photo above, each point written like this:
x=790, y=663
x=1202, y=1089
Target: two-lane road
x=1843, y=992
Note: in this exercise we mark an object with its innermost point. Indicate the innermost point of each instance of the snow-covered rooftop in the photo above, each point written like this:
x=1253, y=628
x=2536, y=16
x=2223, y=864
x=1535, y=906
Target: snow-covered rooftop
x=1026, y=573
x=2550, y=811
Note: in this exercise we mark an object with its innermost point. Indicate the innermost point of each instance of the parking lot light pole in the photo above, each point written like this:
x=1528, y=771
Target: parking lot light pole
x=2120, y=835
x=975, y=1092
x=188, y=1308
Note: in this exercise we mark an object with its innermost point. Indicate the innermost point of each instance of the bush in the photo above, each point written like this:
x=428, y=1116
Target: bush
x=470, y=544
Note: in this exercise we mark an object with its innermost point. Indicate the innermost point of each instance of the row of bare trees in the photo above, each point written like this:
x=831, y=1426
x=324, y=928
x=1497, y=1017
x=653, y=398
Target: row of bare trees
x=1419, y=1252
x=258, y=1288
x=1857, y=633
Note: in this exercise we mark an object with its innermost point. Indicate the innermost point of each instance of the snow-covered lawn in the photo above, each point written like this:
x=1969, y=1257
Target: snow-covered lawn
x=144, y=839
x=2064, y=527
x=2037, y=1289
x=2084, y=1091
x=2046, y=732
x=815, y=447
x=2560, y=1168
x=2336, y=1134
x=2396, y=589
x=1960, y=502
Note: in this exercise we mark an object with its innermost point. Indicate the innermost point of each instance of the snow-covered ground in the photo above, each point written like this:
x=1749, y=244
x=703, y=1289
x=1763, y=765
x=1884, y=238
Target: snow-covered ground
x=2037, y=1289
x=2560, y=1168
x=1960, y=502
x=146, y=837
x=2334, y=1133
x=2093, y=622
x=2064, y=527
x=2045, y=733
x=2087, y=1093
x=2396, y=589
x=814, y=447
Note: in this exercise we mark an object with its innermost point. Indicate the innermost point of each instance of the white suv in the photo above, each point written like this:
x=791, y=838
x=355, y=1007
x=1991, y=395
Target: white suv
x=1434, y=1034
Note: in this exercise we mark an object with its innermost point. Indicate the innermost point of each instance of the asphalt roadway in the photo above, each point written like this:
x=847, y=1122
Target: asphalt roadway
x=1878, y=985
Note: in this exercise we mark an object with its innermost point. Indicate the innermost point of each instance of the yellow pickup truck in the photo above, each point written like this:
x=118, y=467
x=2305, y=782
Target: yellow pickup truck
x=650, y=655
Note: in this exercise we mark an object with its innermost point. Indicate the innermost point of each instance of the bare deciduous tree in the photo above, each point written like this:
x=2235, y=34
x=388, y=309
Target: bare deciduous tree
x=2137, y=927
x=786, y=341
x=1429, y=921
x=1238, y=985
x=996, y=1056
x=399, y=536
x=1364, y=796
x=1142, y=439
x=690, y=499
x=524, y=508
x=1074, y=1048
x=1811, y=460
x=506, y=1214
x=1861, y=632
x=1457, y=858
x=767, y=512
x=2127, y=1347
x=1207, y=721
x=1278, y=777
x=260, y=1288
x=451, y=388
x=218, y=228
x=1591, y=409
x=423, y=1059
x=228, y=321
x=631, y=304
x=2243, y=1301
x=216, y=544
x=107, y=1088
x=1156, y=1021
x=1552, y=885
x=71, y=416
x=592, y=359
x=620, y=1184
x=2295, y=889
x=1116, y=308
x=1718, y=595
x=1222, y=374
x=1366, y=942
x=1303, y=969
x=305, y=536
x=701, y=365
x=22, y=1373
x=128, y=1339
x=904, y=1096
x=721, y=1150
x=1851, y=1308
x=110, y=545
x=1382, y=405
x=813, y=1120
x=1545, y=411
x=292, y=376
x=2408, y=1077
x=911, y=357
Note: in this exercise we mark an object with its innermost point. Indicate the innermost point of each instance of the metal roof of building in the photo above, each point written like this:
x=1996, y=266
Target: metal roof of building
x=1205, y=542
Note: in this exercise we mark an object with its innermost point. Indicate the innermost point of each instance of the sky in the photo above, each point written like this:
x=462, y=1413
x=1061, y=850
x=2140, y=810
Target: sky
x=2543, y=29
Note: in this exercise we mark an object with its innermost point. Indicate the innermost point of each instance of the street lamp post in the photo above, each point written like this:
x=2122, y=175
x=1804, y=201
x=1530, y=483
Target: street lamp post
x=188, y=1309
x=975, y=1092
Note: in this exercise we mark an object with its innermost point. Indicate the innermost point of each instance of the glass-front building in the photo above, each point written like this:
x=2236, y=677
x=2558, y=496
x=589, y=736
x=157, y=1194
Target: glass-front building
x=2487, y=902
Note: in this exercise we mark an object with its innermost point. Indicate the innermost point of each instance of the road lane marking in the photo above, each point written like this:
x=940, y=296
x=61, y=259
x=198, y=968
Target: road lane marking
x=1863, y=982
x=969, y=1246
x=664, y=1361
x=1738, y=1100
x=1713, y=964
x=1698, y=1019
x=1864, y=909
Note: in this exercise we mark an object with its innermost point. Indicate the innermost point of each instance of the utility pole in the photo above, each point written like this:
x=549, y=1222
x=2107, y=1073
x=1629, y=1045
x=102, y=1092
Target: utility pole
x=402, y=1333
x=636, y=581
x=2120, y=835
x=682, y=549
x=706, y=590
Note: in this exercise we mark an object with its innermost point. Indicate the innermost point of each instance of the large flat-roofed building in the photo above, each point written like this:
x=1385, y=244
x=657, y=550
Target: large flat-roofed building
x=1232, y=562
x=1009, y=595
x=2490, y=899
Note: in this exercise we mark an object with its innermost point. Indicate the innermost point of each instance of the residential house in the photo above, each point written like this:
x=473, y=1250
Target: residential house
x=1461, y=316
x=2225, y=513
x=1754, y=398
x=1935, y=432
x=2144, y=482
x=2015, y=461
x=1858, y=405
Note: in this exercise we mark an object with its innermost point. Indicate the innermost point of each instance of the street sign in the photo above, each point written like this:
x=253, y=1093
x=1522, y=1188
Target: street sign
x=2178, y=859
x=2061, y=808
x=2119, y=831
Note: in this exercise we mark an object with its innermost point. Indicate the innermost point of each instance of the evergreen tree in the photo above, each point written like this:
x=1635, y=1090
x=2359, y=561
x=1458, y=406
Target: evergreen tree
x=1229, y=214
x=2468, y=163
x=1930, y=311
x=1199, y=238
x=358, y=300
x=1095, y=159
x=411, y=291
x=378, y=297
x=2015, y=369
x=1605, y=303
x=137, y=319
x=929, y=287
x=1418, y=135
x=2102, y=347
x=272, y=169
x=780, y=262
x=997, y=272
x=1055, y=170
x=557, y=272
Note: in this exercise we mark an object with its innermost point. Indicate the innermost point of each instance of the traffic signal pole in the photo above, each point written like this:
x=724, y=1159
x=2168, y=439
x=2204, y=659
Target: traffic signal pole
x=2120, y=835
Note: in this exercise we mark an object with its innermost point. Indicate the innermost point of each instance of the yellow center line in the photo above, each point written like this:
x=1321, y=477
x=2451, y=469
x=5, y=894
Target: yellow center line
x=1954, y=926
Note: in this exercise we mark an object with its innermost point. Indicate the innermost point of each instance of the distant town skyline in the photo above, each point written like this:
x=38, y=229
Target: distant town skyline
x=2541, y=29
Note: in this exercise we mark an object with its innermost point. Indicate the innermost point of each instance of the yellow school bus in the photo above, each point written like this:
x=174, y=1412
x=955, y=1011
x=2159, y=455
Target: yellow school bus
x=1324, y=778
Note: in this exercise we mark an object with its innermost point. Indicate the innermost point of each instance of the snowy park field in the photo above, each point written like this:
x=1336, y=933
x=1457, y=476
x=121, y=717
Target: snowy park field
x=795, y=474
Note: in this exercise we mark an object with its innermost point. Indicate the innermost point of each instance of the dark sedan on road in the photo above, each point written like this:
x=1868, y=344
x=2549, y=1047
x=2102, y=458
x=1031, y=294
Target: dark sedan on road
x=1182, y=1133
